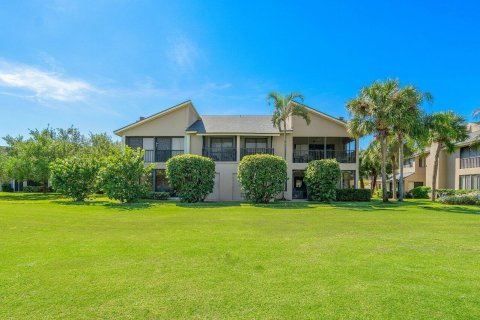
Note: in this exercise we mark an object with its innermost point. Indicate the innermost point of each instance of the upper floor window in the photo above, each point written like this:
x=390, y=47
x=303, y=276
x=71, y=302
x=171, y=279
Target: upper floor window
x=255, y=143
x=422, y=162
x=409, y=162
x=470, y=182
x=469, y=152
x=134, y=142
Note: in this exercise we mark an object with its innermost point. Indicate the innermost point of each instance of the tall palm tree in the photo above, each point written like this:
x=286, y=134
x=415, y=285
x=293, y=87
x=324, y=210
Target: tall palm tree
x=407, y=121
x=286, y=107
x=445, y=128
x=370, y=112
x=370, y=165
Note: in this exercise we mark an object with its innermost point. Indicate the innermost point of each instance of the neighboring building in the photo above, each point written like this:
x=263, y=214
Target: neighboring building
x=457, y=170
x=226, y=139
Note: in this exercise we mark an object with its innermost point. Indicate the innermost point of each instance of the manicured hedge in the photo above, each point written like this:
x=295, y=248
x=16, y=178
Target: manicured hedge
x=322, y=178
x=191, y=176
x=33, y=189
x=353, y=195
x=262, y=176
x=157, y=195
x=461, y=199
x=420, y=192
x=7, y=187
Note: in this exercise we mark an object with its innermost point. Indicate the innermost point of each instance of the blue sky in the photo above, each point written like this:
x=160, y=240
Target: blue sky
x=99, y=65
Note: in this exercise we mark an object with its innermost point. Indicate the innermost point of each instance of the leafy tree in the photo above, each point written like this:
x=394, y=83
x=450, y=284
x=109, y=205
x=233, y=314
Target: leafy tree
x=370, y=112
x=406, y=120
x=191, y=176
x=262, y=176
x=75, y=177
x=101, y=145
x=121, y=178
x=322, y=178
x=285, y=108
x=445, y=128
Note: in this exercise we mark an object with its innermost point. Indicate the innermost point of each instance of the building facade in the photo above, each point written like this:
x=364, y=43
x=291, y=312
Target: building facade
x=226, y=139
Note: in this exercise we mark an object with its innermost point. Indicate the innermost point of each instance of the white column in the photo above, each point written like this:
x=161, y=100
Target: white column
x=238, y=148
x=186, y=147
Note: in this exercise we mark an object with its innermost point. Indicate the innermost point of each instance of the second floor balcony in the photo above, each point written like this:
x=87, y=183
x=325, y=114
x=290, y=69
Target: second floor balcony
x=250, y=151
x=220, y=154
x=306, y=149
x=157, y=149
x=160, y=155
x=470, y=162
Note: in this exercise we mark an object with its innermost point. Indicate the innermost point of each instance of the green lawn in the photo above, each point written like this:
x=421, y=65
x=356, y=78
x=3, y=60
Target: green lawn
x=230, y=260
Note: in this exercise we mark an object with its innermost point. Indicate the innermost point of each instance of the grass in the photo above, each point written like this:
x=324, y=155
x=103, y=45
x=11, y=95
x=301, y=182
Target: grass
x=61, y=260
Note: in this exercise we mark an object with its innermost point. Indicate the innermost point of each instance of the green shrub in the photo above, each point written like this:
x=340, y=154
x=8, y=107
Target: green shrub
x=7, y=187
x=74, y=177
x=33, y=189
x=379, y=194
x=191, y=176
x=420, y=192
x=121, y=178
x=353, y=195
x=157, y=195
x=451, y=192
x=472, y=198
x=262, y=176
x=321, y=178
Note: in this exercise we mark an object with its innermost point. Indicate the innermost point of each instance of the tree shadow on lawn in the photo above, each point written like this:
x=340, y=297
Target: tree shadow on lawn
x=453, y=209
x=208, y=204
x=28, y=196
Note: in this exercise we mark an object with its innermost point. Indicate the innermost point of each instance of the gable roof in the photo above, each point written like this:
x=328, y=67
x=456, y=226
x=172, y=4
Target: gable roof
x=155, y=116
x=218, y=124
x=234, y=124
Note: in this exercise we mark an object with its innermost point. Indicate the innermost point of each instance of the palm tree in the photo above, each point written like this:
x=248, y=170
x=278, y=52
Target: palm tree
x=406, y=121
x=445, y=128
x=370, y=112
x=370, y=165
x=286, y=107
x=476, y=113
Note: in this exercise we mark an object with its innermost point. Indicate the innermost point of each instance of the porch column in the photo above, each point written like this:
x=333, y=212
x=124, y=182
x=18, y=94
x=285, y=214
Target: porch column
x=324, y=147
x=186, y=146
x=238, y=148
x=357, y=164
x=154, y=179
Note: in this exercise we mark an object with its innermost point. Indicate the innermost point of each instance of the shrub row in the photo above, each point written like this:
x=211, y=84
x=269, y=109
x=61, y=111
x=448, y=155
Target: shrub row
x=6, y=187
x=353, y=195
x=472, y=198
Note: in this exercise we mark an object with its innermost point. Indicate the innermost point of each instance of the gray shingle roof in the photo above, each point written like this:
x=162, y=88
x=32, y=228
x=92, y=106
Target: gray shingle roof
x=473, y=137
x=234, y=124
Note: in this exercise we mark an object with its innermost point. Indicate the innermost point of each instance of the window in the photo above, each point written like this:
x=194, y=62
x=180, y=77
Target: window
x=348, y=179
x=161, y=182
x=134, y=142
x=256, y=143
x=221, y=143
x=409, y=163
x=417, y=184
x=470, y=182
x=469, y=152
x=422, y=162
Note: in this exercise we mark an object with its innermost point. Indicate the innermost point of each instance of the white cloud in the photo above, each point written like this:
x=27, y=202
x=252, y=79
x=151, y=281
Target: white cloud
x=182, y=53
x=41, y=85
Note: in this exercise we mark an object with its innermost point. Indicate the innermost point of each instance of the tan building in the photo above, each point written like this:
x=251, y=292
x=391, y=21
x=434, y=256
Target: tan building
x=226, y=139
x=457, y=170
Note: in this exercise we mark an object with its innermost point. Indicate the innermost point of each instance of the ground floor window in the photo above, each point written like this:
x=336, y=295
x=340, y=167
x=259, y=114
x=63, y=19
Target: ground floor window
x=470, y=182
x=348, y=179
x=299, y=187
x=417, y=184
x=160, y=182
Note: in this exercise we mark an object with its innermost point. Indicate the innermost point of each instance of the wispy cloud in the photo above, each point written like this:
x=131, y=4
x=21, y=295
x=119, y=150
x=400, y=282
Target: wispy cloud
x=33, y=83
x=182, y=53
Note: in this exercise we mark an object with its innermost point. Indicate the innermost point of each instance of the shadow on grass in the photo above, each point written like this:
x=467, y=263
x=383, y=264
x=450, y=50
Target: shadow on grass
x=129, y=206
x=453, y=209
x=30, y=196
x=208, y=204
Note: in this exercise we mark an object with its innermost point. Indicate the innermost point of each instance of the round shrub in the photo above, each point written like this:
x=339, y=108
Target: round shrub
x=121, y=177
x=322, y=178
x=191, y=176
x=7, y=187
x=73, y=177
x=420, y=192
x=262, y=176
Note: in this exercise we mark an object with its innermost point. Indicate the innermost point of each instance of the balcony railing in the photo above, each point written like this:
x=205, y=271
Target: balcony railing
x=220, y=154
x=305, y=156
x=160, y=155
x=472, y=162
x=249, y=151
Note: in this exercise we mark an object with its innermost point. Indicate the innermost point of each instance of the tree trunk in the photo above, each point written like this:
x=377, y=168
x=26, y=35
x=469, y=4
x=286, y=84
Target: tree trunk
x=401, y=187
x=435, y=170
x=373, y=184
x=383, y=147
x=394, y=181
x=45, y=185
x=362, y=184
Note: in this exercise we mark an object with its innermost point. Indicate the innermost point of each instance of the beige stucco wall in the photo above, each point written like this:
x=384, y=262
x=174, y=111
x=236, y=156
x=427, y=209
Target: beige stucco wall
x=171, y=124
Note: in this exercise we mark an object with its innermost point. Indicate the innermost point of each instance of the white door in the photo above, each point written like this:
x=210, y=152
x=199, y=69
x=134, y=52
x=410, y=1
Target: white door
x=215, y=195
